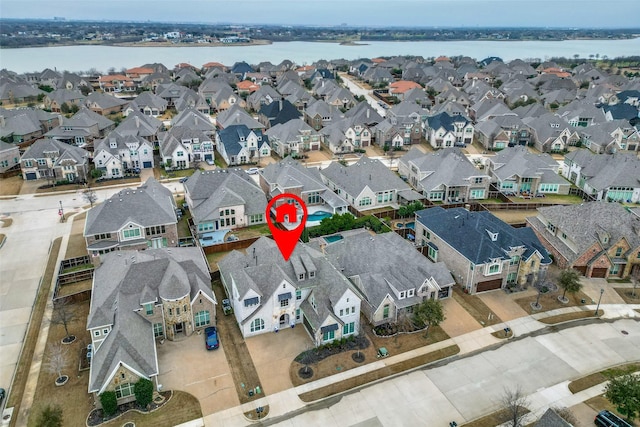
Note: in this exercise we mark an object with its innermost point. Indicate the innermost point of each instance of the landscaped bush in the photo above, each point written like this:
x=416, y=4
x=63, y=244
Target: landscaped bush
x=346, y=221
x=144, y=392
x=109, y=402
x=321, y=352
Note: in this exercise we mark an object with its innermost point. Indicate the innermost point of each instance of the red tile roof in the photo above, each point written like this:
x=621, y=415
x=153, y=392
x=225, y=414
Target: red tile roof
x=403, y=86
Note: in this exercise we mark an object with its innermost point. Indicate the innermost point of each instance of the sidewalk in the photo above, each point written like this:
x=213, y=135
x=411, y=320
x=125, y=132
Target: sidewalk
x=287, y=401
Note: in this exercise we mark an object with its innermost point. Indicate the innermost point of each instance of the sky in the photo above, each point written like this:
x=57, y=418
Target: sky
x=427, y=13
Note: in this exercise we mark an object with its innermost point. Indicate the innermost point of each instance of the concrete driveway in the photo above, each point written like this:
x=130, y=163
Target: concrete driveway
x=503, y=304
x=273, y=365
x=457, y=320
x=187, y=365
x=591, y=287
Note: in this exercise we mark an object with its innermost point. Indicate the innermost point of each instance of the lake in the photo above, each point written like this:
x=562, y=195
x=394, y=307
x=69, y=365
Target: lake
x=81, y=58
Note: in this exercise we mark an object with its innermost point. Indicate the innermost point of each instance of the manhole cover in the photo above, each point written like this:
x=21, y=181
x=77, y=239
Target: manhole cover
x=624, y=332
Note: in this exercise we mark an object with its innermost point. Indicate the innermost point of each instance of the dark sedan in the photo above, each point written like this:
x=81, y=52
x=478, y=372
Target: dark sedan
x=211, y=338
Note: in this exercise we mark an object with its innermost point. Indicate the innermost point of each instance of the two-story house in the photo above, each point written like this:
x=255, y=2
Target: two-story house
x=55, y=161
x=9, y=156
x=346, y=135
x=137, y=299
x=269, y=293
x=117, y=153
x=294, y=138
x=445, y=175
x=483, y=252
x=443, y=130
x=598, y=239
x=181, y=146
x=139, y=218
x=24, y=126
x=237, y=144
x=82, y=128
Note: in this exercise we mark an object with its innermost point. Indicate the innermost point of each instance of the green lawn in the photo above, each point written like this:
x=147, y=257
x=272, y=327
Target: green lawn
x=219, y=161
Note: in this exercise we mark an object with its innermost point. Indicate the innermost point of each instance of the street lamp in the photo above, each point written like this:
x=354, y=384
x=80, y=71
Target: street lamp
x=61, y=212
x=599, y=299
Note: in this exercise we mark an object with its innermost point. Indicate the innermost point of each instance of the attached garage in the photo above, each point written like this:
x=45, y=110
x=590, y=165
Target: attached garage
x=599, y=273
x=489, y=285
x=147, y=165
x=31, y=175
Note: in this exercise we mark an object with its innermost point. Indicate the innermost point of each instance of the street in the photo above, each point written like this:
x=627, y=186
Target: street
x=359, y=91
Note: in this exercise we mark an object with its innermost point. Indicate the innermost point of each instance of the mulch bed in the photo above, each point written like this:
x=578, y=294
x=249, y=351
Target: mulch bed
x=97, y=417
x=315, y=355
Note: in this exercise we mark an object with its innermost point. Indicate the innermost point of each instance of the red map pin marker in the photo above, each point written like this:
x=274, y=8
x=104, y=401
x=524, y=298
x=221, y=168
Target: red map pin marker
x=287, y=216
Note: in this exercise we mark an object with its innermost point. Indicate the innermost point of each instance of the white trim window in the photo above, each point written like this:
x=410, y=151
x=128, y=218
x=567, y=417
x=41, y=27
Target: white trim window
x=493, y=268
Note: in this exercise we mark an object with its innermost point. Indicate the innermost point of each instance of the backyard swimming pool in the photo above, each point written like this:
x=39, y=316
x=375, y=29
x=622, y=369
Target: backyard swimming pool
x=334, y=238
x=411, y=225
x=319, y=216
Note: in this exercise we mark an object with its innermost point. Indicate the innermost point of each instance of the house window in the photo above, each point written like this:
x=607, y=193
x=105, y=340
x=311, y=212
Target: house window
x=341, y=312
x=618, y=252
x=96, y=333
x=348, y=328
x=131, y=233
x=514, y=260
x=255, y=219
x=432, y=253
x=402, y=294
x=328, y=336
x=365, y=201
x=511, y=277
x=410, y=293
x=353, y=309
x=124, y=390
x=493, y=268
x=385, y=311
x=312, y=274
x=297, y=314
x=615, y=268
x=476, y=194
x=284, y=303
x=180, y=154
x=170, y=311
x=301, y=277
x=257, y=325
x=149, y=309
x=202, y=318
x=158, y=330
x=551, y=228
x=105, y=331
x=298, y=294
x=177, y=311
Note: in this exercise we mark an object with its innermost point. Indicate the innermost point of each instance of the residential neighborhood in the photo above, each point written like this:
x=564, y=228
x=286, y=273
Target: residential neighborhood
x=443, y=206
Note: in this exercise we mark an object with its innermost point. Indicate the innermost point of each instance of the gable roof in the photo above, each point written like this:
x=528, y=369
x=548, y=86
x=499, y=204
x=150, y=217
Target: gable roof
x=364, y=173
x=40, y=148
x=519, y=161
x=445, y=121
x=448, y=167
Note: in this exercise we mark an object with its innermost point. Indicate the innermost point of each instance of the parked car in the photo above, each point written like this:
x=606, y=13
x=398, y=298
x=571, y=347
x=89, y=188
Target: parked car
x=609, y=419
x=210, y=162
x=184, y=179
x=226, y=307
x=211, y=338
x=252, y=171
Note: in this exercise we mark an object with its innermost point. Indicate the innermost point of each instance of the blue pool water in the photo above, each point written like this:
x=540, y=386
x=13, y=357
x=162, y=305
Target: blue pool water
x=319, y=216
x=334, y=238
x=411, y=225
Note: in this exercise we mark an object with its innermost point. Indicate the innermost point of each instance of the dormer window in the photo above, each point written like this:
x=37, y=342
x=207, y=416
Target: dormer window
x=410, y=293
x=312, y=274
x=300, y=276
x=402, y=294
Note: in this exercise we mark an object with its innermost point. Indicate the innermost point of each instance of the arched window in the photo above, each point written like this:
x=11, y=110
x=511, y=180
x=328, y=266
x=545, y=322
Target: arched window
x=257, y=325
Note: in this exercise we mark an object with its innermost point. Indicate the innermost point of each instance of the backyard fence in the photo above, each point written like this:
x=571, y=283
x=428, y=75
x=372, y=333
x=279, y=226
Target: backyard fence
x=65, y=279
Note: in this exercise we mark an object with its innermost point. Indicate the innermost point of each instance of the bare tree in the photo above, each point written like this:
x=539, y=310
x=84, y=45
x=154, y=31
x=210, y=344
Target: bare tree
x=566, y=414
x=515, y=402
x=57, y=359
x=89, y=195
x=64, y=315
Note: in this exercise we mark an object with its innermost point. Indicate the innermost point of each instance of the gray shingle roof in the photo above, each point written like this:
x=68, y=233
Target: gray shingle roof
x=519, y=161
x=603, y=171
x=467, y=233
x=38, y=149
x=364, y=173
x=148, y=205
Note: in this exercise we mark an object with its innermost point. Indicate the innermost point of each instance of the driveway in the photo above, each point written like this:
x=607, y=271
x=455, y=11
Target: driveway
x=186, y=365
x=591, y=287
x=457, y=320
x=503, y=304
x=272, y=354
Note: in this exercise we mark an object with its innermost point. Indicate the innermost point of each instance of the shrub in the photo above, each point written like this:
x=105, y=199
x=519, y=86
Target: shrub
x=144, y=392
x=50, y=416
x=109, y=402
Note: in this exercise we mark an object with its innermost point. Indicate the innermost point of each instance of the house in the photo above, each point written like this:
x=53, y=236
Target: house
x=516, y=170
x=269, y=293
x=341, y=98
x=294, y=137
x=237, y=116
x=443, y=130
x=104, y=104
x=55, y=100
x=265, y=95
x=138, y=124
x=346, y=135
x=183, y=146
x=551, y=133
x=140, y=218
x=445, y=175
x=9, y=157
x=483, y=252
x=613, y=177
x=320, y=114
x=148, y=104
x=401, y=87
x=278, y=112
x=367, y=184
x=195, y=120
x=24, y=126
x=611, y=137
x=598, y=239
x=81, y=128
x=289, y=176
x=551, y=419
x=55, y=161
x=237, y=144
x=117, y=154
x=116, y=83
x=224, y=199
x=138, y=298
x=390, y=274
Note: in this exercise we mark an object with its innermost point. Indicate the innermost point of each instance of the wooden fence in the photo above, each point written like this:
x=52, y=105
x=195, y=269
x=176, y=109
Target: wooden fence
x=229, y=246
x=73, y=277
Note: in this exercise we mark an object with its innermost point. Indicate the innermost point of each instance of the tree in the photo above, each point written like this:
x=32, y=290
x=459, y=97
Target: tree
x=429, y=313
x=96, y=173
x=569, y=281
x=515, y=402
x=57, y=360
x=64, y=315
x=89, y=195
x=143, y=391
x=109, y=402
x=50, y=416
x=624, y=393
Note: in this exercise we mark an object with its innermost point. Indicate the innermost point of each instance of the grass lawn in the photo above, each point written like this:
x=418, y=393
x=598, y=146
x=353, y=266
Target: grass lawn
x=11, y=186
x=549, y=301
x=252, y=231
x=76, y=389
x=602, y=376
x=213, y=259
x=179, y=173
x=182, y=407
x=627, y=295
x=565, y=317
x=387, y=371
x=77, y=245
x=552, y=199
x=599, y=403
x=514, y=217
x=494, y=419
x=219, y=161
x=475, y=307
x=31, y=336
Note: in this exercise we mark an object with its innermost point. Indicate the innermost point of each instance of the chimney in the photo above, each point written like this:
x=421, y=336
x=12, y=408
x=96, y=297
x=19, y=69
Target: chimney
x=137, y=121
x=280, y=104
x=368, y=112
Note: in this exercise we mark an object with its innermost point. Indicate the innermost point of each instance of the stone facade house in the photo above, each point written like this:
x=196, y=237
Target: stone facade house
x=183, y=146
x=237, y=144
x=117, y=154
x=138, y=298
x=294, y=137
x=443, y=130
x=54, y=161
x=9, y=156
x=483, y=252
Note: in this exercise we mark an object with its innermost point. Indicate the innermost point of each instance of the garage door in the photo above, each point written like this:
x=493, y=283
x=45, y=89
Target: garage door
x=489, y=285
x=146, y=165
x=31, y=175
x=599, y=272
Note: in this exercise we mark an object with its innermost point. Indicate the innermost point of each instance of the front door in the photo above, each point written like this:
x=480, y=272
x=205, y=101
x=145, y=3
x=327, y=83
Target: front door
x=178, y=327
x=284, y=320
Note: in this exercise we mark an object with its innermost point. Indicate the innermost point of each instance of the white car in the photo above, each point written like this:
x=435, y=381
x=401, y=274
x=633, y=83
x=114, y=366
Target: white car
x=210, y=162
x=252, y=171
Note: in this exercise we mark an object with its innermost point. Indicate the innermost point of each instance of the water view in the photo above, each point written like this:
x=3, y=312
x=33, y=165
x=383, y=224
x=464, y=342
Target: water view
x=81, y=58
